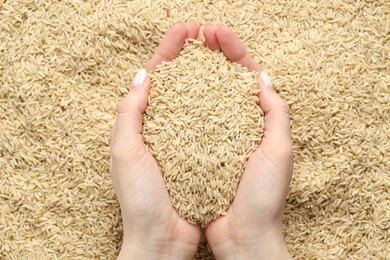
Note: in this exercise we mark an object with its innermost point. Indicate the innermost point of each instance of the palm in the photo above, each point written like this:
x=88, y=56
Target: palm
x=151, y=204
x=258, y=202
x=264, y=178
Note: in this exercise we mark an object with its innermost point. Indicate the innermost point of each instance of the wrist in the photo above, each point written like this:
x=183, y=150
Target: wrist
x=274, y=248
x=268, y=246
x=145, y=250
x=128, y=252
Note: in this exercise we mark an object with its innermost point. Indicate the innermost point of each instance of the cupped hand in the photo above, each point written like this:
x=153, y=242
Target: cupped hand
x=151, y=227
x=252, y=227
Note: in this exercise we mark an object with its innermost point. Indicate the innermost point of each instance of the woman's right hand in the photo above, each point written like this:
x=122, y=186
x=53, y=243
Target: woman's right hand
x=252, y=227
x=152, y=229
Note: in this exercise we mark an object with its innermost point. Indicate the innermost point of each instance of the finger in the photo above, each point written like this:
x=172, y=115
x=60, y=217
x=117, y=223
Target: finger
x=210, y=37
x=233, y=48
x=128, y=125
x=170, y=46
x=276, y=112
x=192, y=30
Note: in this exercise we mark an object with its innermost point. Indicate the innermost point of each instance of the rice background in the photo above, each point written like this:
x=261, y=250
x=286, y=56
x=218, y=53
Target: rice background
x=65, y=64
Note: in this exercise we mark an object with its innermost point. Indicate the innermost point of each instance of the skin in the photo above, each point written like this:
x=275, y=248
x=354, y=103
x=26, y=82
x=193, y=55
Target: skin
x=252, y=227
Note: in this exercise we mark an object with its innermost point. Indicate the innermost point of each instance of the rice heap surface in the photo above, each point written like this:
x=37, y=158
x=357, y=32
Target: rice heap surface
x=202, y=123
x=64, y=65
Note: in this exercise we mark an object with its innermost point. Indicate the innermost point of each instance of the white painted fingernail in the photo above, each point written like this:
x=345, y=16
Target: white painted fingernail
x=140, y=77
x=266, y=79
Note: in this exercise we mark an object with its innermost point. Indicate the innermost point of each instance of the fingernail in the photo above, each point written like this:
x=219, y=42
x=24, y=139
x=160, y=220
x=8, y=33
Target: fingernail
x=140, y=77
x=266, y=79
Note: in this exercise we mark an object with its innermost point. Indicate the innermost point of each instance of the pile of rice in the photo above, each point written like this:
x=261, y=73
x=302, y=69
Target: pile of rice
x=202, y=123
x=65, y=64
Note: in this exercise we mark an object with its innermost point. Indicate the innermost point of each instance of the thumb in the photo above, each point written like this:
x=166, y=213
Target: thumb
x=276, y=113
x=127, y=130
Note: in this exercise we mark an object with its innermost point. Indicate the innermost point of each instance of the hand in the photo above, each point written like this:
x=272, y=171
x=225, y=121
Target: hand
x=252, y=227
x=152, y=228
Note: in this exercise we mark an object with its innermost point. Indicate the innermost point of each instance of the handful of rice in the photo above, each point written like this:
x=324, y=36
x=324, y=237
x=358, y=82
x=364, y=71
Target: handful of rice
x=202, y=123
